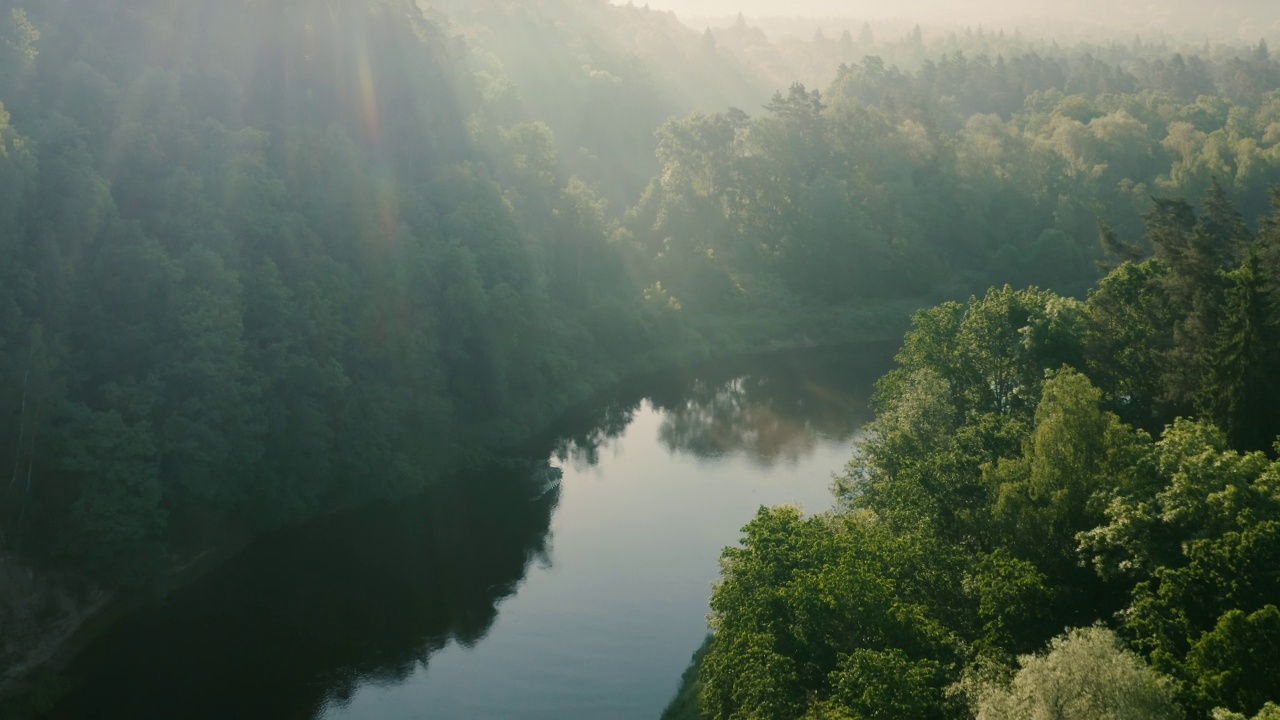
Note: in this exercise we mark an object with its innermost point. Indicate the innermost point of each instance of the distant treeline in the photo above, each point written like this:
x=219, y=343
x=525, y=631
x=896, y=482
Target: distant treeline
x=964, y=172
x=810, y=50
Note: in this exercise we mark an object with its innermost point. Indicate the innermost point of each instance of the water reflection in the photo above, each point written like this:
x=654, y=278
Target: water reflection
x=763, y=417
x=360, y=606
x=308, y=616
x=607, y=423
x=771, y=410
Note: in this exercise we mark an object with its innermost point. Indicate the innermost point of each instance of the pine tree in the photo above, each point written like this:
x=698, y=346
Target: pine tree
x=866, y=36
x=1197, y=250
x=1240, y=392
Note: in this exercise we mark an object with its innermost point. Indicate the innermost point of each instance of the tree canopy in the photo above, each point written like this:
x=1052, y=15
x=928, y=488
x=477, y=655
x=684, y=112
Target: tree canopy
x=1009, y=488
x=266, y=261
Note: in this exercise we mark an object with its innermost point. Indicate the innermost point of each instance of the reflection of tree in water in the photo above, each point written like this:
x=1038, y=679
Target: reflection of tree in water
x=306, y=618
x=771, y=409
x=769, y=415
x=582, y=446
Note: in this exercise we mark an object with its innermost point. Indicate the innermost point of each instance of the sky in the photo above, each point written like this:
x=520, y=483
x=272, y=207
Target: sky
x=1242, y=18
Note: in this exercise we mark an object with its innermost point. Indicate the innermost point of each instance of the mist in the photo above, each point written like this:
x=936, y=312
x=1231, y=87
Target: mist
x=361, y=359
x=1179, y=19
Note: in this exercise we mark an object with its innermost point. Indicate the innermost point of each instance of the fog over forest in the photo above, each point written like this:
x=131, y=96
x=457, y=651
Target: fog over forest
x=464, y=359
x=1180, y=19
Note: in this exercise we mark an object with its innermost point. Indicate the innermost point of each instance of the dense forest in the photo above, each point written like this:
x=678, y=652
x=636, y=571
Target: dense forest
x=265, y=260
x=894, y=183
x=238, y=288
x=1037, y=463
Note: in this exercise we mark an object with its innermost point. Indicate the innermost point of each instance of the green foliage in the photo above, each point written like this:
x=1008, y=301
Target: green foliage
x=687, y=704
x=1052, y=493
x=265, y=271
x=1209, y=539
x=894, y=184
x=1127, y=339
x=964, y=396
x=1240, y=391
x=826, y=609
x=266, y=261
x=1012, y=595
x=19, y=48
x=118, y=510
x=1020, y=501
x=875, y=683
x=1215, y=659
x=1269, y=712
x=1085, y=675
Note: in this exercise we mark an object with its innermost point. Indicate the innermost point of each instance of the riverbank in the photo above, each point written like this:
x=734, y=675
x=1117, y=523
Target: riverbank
x=492, y=595
x=55, y=616
x=30, y=681
x=686, y=705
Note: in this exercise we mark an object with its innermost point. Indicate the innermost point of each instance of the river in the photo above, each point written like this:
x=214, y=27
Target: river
x=501, y=595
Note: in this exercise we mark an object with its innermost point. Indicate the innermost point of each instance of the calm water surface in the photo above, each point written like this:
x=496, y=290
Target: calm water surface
x=501, y=595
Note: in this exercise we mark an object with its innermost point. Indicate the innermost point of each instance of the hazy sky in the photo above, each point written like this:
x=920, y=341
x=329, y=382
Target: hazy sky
x=1245, y=18
x=806, y=7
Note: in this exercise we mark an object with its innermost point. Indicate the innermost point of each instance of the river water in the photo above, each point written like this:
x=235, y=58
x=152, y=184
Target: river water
x=502, y=595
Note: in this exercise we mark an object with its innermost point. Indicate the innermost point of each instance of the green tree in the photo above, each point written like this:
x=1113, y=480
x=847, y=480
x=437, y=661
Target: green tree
x=827, y=610
x=1196, y=250
x=1052, y=492
x=1231, y=664
x=117, y=518
x=1128, y=337
x=964, y=396
x=1240, y=391
x=1201, y=541
x=1270, y=711
x=1085, y=674
x=18, y=48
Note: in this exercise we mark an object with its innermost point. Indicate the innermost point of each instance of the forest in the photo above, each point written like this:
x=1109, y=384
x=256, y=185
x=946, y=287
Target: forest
x=1040, y=462
x=264, y=261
